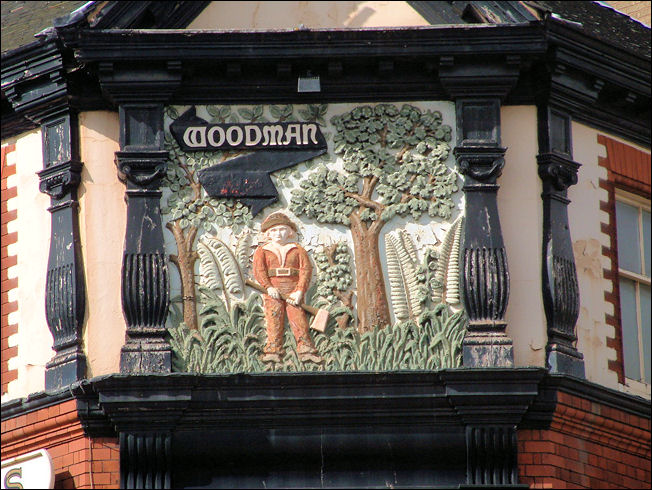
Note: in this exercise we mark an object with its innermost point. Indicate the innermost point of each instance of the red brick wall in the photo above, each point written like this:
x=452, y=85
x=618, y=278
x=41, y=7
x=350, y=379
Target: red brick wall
x=629, y=169
x=7, y=261
x=79, y=462
x=588, y=445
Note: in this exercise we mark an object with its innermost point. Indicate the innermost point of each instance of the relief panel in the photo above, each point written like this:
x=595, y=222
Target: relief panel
x=313, y=237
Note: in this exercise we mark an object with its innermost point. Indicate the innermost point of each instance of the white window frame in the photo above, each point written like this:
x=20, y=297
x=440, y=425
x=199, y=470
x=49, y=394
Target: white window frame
x=643, y=205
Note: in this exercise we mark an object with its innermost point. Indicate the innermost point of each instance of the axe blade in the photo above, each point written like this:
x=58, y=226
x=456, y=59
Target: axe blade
x=320, y=320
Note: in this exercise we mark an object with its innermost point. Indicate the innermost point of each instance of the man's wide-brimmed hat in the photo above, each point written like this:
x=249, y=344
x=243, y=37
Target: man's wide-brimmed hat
x=276, y=219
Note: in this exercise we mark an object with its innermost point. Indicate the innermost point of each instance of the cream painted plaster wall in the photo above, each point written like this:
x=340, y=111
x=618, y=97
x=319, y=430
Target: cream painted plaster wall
x=102, y=222
x=313, y=15
x=521, y=220
x=585, y=218
x=32, y=225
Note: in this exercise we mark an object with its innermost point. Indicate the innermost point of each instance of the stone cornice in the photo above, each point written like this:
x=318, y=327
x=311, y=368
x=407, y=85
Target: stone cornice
x=431, y=398
x=594, y=81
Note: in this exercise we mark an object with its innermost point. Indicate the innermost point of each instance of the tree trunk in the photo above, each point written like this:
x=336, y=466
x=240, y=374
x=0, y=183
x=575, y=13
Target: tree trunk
x=185, y=262
x=373, y=310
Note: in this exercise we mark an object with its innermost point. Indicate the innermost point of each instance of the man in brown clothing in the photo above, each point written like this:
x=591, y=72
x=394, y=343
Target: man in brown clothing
x=282, y=266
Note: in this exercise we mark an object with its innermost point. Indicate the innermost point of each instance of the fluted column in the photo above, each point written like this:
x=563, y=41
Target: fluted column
x=145, y=283
x=558, y=275
x=65, y=291
x=484, y=274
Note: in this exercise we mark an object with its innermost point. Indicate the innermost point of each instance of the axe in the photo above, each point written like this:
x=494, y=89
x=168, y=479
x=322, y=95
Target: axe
x=320, y=315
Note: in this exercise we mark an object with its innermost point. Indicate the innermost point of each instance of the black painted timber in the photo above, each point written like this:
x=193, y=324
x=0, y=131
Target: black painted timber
x=203, y=423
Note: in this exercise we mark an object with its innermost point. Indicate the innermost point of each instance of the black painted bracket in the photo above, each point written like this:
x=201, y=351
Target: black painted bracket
x=485, y=277
x=558, y=275
x=65, y=291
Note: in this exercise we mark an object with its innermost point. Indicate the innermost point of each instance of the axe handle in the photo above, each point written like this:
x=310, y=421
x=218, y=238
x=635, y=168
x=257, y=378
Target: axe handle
x=310, y=309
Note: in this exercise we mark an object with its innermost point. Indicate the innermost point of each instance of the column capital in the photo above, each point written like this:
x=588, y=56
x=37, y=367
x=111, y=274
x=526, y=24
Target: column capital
x=557, y=172
x=141, y=168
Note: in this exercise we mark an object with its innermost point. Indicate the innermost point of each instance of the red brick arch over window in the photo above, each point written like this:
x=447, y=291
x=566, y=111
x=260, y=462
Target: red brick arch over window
x=8, y=261
x=628, y=169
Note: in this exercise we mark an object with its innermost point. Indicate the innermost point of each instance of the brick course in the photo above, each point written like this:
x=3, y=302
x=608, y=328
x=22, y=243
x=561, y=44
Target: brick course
x=7, y=261
x=79, y=462
x=588, y=445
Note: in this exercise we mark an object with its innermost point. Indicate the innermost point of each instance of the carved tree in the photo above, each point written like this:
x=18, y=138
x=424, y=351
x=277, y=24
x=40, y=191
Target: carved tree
x=393, y=165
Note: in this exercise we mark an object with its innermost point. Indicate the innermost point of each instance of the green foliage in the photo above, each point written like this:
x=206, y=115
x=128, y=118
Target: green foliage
x=334, y=271
x=401, y=150
x=233, y=342
x=228, y=342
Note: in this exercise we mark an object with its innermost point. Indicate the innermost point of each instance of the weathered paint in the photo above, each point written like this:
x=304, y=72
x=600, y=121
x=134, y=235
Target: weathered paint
x=32, y=225
x=102, y=226
x=585, y=218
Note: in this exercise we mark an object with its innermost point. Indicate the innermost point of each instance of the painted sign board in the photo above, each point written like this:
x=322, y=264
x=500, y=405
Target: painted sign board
x=31, y=470
x=193, y=133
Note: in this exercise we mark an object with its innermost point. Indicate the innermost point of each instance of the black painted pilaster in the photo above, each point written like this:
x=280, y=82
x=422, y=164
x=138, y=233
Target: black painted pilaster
x=65, y=291
x=145, y=460
x=484, y=274
x=478, y=90
x=491, y=452
x=559, y=276
x=36, y=83
x=145, y=285
x=141, y=91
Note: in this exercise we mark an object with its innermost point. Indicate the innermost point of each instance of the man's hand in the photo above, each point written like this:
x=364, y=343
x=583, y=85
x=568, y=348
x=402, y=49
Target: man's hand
x=295, y=298
x=273, y=293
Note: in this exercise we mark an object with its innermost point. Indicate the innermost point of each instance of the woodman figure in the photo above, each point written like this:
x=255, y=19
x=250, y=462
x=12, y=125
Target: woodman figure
x=282, y=266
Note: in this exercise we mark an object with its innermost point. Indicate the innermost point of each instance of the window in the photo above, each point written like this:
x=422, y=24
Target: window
x=633, y=228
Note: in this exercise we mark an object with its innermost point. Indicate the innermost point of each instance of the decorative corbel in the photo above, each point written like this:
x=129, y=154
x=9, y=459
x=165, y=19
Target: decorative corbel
x=560, y=288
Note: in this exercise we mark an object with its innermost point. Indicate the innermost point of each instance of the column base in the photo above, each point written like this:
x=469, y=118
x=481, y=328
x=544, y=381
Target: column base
x=64, y=370
x=487, y=350
x=146, y=357
x=563, y=363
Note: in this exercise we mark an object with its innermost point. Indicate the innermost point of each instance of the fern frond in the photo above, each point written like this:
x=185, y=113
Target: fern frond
x=453, y=270
x=444, y=258
x=219, y=269
x=243, y=251
x=396, y=283
x=405, y=283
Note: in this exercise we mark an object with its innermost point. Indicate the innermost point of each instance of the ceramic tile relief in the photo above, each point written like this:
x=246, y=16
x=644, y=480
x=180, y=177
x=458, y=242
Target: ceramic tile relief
x=313, y=237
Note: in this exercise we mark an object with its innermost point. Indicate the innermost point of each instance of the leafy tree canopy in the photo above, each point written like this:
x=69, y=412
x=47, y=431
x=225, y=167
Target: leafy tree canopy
x=394, y=162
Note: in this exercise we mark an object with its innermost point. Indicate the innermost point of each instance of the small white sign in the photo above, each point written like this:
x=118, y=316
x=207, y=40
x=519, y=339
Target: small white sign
x=31, y=470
